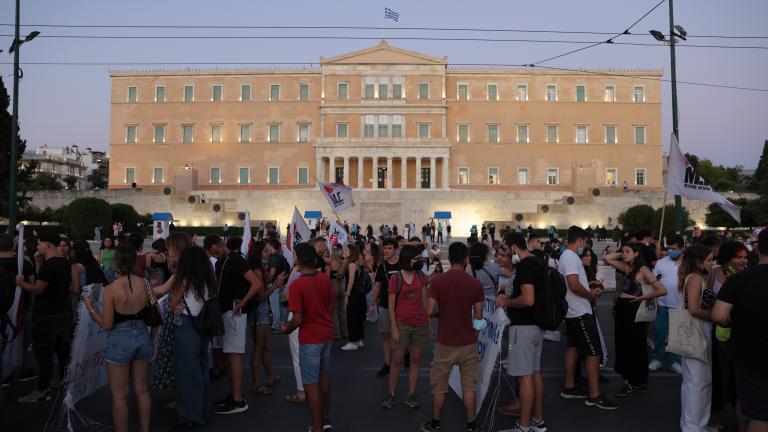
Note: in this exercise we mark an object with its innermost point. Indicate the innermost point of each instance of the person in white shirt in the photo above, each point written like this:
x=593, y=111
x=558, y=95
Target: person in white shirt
x=666, y=272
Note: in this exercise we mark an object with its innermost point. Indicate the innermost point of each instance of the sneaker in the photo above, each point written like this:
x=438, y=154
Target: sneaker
x=327, y=425
x=7, y=382
x=234, y=407
x=430, y=426
x=572, y=393
x=654, y=365
x=520, y=428
x=36, y=396
x=384, y=371
x=473, y=427
x=412, y=402
x=552, y=335
x=360, y=343
x=676, y=368
x=538, y=425
x=389, y=402
x=224, y=402
x=350, y=346
x=27, y=375
x=601, y=402
x=626, y=391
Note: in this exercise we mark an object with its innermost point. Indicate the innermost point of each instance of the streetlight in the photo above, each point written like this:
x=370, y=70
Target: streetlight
x=675, y=31
x=17, y=75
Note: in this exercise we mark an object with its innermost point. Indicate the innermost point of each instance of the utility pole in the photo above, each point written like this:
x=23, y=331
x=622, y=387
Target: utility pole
x=673, y=71
x=14, y=166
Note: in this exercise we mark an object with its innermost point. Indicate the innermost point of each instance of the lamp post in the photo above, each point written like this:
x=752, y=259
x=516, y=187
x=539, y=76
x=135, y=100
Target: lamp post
x=680, y=33
x=13, y=169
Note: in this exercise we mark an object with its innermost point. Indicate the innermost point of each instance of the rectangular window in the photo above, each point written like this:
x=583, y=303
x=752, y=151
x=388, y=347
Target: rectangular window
x=245, y=132
x=611, y=174
x=245, y=92
x=463, y=92
x=610, y=93
x=187, y=134
x=522, y=134
x=215, y=175
x=551, y=93
x=423, y=130
x=522, y=92
x=245, y=175
x=581, y=134
x=425, y=173
x=274, y=133
x=342, y=130
x=610, y=134
x=368, y=128
x=397, y=88
x=383, y=88
x=216, y=133
x=493, y=176
x=553, y=176
x=274, y=92
x=639, y=134
x=339, y=175
x=383, y=126
x=552, y=135
x=463, y=175
x=343, y=91
x=130, y=175
x=189, y=93
x=369, y=92
x=522, y=176
x=493, y=133
x=639, y=94
x=160, y=94
x=581, y=93
x=130, y=134
x=424, y=91
x=303, y=132
x=397, y=126
x=217, y=93
x=303, y=175
x=157, y=176
x=133, y=94
x=640, y=176
x=463, y=133
x=493, y=92
x=303, y=92
x=159, y=134
x=274, y=175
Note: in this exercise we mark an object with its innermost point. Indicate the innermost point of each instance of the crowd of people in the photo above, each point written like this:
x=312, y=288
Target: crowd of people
x=152, y=303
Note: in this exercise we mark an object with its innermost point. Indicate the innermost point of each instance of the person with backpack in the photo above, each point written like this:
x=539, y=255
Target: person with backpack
x=408, y=317
x=525, y=337
x=354, y=298
x=485, y=270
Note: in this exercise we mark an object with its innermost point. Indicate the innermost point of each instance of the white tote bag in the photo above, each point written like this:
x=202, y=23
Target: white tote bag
x=647, y=310
x=686, y=334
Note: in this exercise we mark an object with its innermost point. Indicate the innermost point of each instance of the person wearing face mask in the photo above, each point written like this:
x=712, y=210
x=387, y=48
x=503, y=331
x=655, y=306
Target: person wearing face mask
x=666, y=272
x=410, y=326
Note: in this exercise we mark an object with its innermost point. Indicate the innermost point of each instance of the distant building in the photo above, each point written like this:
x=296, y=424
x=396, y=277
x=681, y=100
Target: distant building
x=65, y=161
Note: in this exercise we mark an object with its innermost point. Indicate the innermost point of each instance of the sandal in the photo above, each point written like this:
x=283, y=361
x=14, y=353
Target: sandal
x=294, y=397
x=274, y=383
x=263, y=391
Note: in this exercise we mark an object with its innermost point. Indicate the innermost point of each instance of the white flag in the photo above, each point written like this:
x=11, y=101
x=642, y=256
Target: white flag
x=337, y=235
x=298, y=233
x=247, y=237
x=339, y=196
x=683, y=180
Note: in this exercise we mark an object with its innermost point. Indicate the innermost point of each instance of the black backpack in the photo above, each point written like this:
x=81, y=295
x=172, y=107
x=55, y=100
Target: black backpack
x=401, y=281
x=363, y=282
x=550, y=306
x=210, y=321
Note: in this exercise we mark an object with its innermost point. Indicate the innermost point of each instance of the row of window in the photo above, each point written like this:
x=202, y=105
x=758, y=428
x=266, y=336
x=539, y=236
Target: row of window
x=383, y=90
x=553, y=176
x=215, y=175
x=385, y=126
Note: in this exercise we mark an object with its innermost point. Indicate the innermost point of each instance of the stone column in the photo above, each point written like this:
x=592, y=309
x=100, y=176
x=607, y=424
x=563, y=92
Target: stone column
x=346, y=170
x=319, y=168
x=403, y=172
x=432, y=174
x=445, y=173
x=375, y=172
x=360, y=168
x=389, y=173
x=418, y=172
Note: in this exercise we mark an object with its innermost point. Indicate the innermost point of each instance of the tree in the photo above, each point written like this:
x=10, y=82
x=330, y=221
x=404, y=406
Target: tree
x=44, y=181
x=71, y=182
x=82, y=215
x=760, y=178
x=24, y=172
x=637, y=216
x=669, y=220
x=98, y=178
x=126, y=214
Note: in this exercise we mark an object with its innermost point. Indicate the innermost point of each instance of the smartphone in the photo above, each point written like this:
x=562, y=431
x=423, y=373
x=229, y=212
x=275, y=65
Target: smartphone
x=236, y=307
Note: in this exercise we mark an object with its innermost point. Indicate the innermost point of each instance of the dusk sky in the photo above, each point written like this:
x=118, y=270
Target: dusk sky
x=67, y=104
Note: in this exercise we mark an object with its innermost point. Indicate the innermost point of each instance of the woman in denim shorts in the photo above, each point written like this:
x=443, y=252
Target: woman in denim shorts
x=125, y=305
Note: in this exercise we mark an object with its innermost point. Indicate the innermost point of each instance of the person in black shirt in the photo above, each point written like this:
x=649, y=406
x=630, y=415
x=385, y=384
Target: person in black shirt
x=525, y=337
x=388, y=267
x=321, y=247
x=51, y=314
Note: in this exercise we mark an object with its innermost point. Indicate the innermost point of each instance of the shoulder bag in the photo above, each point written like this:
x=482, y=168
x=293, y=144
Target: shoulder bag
x=686, y=333
x=153, y=318
x=647, y=310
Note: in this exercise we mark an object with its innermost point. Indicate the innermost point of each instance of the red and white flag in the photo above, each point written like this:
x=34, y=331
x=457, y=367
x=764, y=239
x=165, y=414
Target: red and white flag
x=298, y=233
x=683, y=180
x=337, y=234
x=339, y=196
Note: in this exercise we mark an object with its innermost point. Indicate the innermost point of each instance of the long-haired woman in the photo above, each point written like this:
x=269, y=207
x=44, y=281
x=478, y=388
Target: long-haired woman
x=631, y=349
x=339, y=312
x=354, y=299
x=194, y=282
x=698, y=298
x=85, y=268
x=125, y=306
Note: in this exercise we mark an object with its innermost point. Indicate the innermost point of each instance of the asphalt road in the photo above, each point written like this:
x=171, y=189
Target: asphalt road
x=357, y=394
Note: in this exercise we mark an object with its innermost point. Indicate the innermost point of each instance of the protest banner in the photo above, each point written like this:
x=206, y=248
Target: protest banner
x=12, y=322
x=337, y=235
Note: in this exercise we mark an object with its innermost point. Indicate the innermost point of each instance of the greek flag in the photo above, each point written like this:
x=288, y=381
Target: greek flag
x=390, y=14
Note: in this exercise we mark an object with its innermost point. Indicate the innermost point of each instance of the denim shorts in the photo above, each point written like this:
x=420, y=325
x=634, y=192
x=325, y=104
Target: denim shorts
x=314, y=360
x=262, y=314
x=128, y=341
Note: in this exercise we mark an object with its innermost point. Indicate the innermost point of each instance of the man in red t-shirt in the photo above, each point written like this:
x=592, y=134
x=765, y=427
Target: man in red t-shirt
x=310, y=299
x=456, y=293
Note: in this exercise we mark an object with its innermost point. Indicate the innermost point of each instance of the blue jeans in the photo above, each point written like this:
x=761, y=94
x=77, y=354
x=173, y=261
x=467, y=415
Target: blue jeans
x=314, y=360
x=660, y=337
x=192, y=400
x=128, y=341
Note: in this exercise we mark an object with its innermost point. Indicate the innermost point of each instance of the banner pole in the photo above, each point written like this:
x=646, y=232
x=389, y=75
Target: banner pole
x=661, y=224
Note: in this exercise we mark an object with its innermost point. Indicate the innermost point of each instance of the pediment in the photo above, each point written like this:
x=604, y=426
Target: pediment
x=383, y=53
